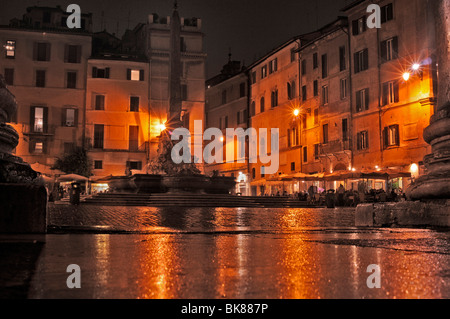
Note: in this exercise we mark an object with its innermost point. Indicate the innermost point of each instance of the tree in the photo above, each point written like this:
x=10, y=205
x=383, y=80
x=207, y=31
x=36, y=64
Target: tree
x=76, y=162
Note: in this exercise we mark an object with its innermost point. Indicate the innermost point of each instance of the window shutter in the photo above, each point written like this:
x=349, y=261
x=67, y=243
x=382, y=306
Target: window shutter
x=94, y=72
x=390, y=12
x=32, y=111
x=45, y=119
x=364, y=23
x=48, y=51
x=107, y=73
x=385, y=94
x=397, y=135
x=289, y=91
x=383, y=49
x=63, y=116
x=396, y=92
x=367, y=98
x=367, y=139
x=366, y=59
x=358, y=101
x=395, y=47
x=66, y=53
x=358, y=141
x=35, y=51
x=128, y=74
x=356, y=60
x=76, y=118
x=289, y=137
x=385, y=137
x=78, y=53
x=141, y=75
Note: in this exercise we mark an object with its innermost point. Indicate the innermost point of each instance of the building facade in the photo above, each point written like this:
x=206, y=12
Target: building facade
x=44, y=65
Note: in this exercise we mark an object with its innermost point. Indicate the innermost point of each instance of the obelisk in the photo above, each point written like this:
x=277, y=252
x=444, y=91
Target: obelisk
x=436, y=183
x=175, y=99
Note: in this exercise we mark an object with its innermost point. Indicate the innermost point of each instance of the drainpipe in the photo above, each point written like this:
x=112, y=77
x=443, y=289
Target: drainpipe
x=350, y=89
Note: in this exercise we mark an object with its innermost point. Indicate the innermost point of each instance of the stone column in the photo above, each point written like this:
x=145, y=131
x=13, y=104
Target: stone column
x=436, y=183
x=175, y=100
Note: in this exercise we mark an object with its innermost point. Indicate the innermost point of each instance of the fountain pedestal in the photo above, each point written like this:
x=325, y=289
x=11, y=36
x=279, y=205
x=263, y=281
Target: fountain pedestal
x=23, y=197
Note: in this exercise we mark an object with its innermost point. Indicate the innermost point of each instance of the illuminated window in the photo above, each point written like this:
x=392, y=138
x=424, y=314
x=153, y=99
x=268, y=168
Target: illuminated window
x=263, y=71
x=39, y=147
x=70, y=117
x=10, y=49
x=38, y=117
x=390, y=92
x=362, y=100
x=135, y=75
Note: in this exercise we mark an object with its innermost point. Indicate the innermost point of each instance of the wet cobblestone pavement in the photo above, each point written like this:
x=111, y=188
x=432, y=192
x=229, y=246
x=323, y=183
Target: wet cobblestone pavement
x=143, y=252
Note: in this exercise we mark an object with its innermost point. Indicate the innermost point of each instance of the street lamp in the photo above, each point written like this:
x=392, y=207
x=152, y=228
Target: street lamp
x=296, y=112
x=406, y=76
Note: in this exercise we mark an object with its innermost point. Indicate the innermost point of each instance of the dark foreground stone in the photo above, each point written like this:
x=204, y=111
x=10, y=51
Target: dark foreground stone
x=404, y=214
x=23, y=208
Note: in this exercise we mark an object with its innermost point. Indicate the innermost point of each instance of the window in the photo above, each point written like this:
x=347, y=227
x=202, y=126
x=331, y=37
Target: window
x=98, y=164
x=362, y=100
x=389, y=49
x=362, y=140
x=10, y=49
x=391, y=136
x=71, y=80
x=291, y=90
x=134, y=103
x=387, y=13
x=325, y=133
x=238, y=117
x=134, y=165
x=224, y=122
x=100, y=73
x=303, y=67
x=41, y=51
x=46, y=17
x=316, y=116
x=325, y=95
x=253, y=173
x=304, y=121
x=262, y=106
x=224, y=97
x=38, y=119
x=342, y=62
x=133, y=138
x=316, y=87
x=293, y=136
x=263, y=71
x=359, y=25
x=305, y=154
x=99, y=131
x=253, y=77
x=40, y=78
x=292, y=166
x=293, y=53
x=37, y=146
x=273, y=66
x=72, y=54
x=343, y=88
x=304, y=92
x=242, y=90
x=9, y=76
x=315, y=61
x=70, y=117
x=99, y=102
x=316, y=151
x=274, y=98
x=253, y=109
x=361, y=60
x=135, y=75
x=324, y=66
x=344, y=130
x=390, y=92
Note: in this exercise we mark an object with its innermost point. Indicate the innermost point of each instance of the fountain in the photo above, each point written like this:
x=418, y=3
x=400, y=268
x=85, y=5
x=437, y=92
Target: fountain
x=23, y=197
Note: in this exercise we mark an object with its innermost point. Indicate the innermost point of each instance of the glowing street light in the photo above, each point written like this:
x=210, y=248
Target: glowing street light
x=296, y=112
x=406, y=76
x=162, y=127
x=416, y=66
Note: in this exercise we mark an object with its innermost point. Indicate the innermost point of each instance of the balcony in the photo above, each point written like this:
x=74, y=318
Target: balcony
x=333, y=147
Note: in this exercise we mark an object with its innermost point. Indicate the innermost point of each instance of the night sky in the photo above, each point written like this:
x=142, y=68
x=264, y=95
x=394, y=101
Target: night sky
x=251, y=28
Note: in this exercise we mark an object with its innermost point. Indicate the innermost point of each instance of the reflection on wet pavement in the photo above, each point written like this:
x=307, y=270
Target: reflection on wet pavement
x=245, y=253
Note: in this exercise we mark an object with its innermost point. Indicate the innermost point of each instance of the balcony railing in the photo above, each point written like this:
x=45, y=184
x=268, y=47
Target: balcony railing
x=335, y=146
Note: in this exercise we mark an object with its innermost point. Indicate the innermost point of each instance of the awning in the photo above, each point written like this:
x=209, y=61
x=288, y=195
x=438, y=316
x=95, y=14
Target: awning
x=45, y=169
x=72, y=178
